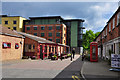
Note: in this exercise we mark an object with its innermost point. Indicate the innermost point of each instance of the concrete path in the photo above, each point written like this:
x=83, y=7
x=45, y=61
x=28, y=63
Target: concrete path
x=98, y=70
x=34, y=68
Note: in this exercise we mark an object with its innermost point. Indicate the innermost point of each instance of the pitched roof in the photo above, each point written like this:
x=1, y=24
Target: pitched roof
x=9, y=32
x=36, y=38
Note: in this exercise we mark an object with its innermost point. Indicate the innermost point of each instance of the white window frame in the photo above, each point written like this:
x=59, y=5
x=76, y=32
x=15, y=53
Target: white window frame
x=113, y=23
x=109, y=27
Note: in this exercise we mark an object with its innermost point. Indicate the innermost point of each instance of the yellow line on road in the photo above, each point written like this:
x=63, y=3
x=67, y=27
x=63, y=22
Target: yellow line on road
x=75, y=78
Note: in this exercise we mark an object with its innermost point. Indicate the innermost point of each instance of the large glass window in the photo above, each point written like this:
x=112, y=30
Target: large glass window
x=58, y=34
x=50, y=34
x=57, y=27
x=42, y=27
x=57, y=40
x=42, y=34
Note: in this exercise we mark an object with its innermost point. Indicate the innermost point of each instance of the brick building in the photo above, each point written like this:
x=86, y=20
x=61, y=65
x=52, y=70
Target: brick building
x=51, y=28
x=11, y=45
x=40, y=47
x=109, y=38
x=74, y=34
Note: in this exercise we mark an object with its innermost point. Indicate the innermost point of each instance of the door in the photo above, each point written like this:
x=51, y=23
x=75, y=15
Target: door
x=41, y=52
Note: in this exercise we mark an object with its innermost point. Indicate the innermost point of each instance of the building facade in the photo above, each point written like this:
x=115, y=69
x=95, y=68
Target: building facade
x=50, y=28
x=40, y=47
x=13, y=22
x=74, y=34
x=11, y=44
x=109, y=38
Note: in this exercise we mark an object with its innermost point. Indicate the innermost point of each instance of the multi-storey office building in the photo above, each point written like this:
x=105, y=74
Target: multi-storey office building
x=51, y=28
x=74, y=34
x=13, y=22
x=109, y=38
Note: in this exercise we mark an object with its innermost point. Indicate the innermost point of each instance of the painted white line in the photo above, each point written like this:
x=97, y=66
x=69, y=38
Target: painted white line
x=82, y=73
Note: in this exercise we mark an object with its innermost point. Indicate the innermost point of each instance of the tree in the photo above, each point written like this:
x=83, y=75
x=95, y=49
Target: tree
x=88, y=37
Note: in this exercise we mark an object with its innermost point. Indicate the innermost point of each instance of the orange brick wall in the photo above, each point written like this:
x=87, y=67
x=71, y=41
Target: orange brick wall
x=11, y=53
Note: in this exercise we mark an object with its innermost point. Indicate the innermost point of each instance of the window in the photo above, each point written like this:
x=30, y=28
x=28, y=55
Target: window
x=14, y=22
x=58, y=34
x=50, y=39
x=35, y=27
x=35, y=34
x=49, y=48
x=113, y=23
x=29, y=46
x=5, y=45
x=9, y=45
x=6, y=22
x=106, y=30
x=28, y=28
x=14, y=28
x=8, y=27
x=57, y=27
x=57, y=40
x=42, y=28
x=50, y=34
x=50, y=27
x=16, y=45
x=109, y=27
x=33, y=46
x=118, y=18
x=42, y=34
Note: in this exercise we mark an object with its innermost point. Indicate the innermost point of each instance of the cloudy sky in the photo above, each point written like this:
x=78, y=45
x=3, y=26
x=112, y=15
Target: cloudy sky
x=95, y=14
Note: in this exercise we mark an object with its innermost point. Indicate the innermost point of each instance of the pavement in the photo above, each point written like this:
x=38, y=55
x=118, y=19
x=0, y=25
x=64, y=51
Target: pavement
x=34, y=68
x=98, y=71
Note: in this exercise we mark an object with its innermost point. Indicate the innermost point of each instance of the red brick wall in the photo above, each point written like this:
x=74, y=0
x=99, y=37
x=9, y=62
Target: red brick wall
x=31, y=52
x=46, y=31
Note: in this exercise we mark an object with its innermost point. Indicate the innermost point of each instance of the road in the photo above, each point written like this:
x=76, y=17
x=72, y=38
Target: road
x=71, y=72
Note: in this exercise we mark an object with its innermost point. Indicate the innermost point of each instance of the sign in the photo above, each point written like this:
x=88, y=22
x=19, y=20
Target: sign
x=115, y=60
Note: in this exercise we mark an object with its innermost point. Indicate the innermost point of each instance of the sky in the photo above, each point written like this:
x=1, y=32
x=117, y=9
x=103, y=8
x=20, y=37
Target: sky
x=95, y=14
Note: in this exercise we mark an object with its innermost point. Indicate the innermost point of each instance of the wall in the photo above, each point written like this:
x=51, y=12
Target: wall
x=74, y=32
x=30, y=51
x=19, y=25
x=11, y=53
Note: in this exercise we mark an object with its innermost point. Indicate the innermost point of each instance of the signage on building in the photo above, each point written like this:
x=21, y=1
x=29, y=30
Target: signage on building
x=115, y=60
